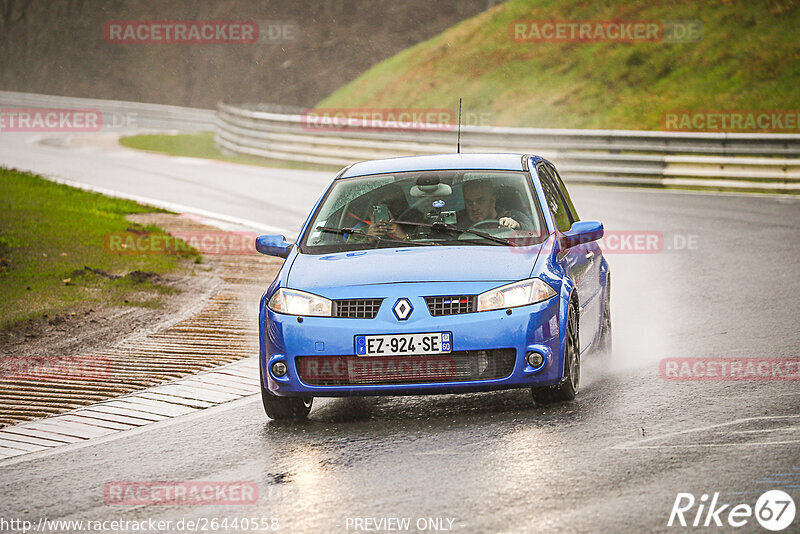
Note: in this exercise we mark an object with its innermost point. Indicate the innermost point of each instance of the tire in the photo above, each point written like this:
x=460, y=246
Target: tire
x=568, y=387
x=284, y=408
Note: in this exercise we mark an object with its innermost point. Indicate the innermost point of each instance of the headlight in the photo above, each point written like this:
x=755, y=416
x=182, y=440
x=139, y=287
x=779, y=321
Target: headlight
x=516, y=294
x=294, y=302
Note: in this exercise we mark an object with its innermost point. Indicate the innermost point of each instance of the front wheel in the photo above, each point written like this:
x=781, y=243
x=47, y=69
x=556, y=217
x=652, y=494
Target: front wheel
x=285, y=408
x=568, y=387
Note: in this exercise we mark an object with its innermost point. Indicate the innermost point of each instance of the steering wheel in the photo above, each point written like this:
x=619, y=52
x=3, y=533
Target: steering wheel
x=493, y=224
x=485, y=222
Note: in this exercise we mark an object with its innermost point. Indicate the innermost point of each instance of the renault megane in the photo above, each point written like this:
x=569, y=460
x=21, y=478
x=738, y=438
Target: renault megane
x=434, y=274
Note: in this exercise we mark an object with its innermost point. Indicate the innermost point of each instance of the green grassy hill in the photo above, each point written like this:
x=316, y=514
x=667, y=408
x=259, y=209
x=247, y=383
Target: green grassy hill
x=748, y=59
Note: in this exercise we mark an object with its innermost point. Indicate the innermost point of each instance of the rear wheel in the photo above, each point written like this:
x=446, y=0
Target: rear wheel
x=568, y=387
x=285, y=408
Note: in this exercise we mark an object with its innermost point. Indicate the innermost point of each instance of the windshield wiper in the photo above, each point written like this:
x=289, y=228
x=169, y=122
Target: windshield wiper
x=440, y=226
x=343, y=231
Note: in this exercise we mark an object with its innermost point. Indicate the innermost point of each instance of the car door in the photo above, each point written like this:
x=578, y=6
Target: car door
x=593, y=278
x=578, y=261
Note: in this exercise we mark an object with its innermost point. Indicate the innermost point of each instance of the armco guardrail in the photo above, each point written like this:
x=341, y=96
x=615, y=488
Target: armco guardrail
x=769, y=162
x=119, y=115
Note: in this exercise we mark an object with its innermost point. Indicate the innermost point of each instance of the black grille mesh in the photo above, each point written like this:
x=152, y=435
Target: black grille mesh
x=461, y=366
x=356, y=308
x=451, y=305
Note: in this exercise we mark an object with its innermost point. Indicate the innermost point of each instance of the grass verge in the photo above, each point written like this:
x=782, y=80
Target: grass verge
x=202, y=145
x=52, y=252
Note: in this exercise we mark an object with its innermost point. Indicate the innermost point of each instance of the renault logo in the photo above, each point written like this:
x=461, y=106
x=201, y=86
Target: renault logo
x=402, y=309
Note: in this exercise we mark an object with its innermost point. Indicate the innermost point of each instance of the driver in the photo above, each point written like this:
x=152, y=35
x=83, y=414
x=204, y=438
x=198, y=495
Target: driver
x=480, y=202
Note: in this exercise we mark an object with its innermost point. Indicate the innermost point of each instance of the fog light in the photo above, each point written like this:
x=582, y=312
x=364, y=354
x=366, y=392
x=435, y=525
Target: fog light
x=279, y=369
x=535, y=360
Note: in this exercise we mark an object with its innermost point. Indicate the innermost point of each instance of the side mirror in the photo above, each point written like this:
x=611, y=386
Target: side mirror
x=581, y=232
x=273, y=245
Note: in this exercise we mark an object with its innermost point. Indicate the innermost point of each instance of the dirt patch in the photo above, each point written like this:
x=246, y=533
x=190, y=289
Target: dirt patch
x=89, y=327
x=209, y=319
x=135, y=276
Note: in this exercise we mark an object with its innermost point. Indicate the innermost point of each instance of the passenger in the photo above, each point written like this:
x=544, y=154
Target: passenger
x=398, y=209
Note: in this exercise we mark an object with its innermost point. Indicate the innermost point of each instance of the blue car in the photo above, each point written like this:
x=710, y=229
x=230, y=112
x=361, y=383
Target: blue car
x=450, y=273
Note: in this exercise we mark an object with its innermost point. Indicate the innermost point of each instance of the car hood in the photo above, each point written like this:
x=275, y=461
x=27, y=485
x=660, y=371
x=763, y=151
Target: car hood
x=413, y=264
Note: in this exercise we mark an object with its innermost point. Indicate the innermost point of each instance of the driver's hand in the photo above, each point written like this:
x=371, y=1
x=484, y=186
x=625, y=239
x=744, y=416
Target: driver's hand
x=508, y=222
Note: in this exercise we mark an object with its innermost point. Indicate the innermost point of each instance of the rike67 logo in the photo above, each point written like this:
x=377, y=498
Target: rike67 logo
x=774, y=510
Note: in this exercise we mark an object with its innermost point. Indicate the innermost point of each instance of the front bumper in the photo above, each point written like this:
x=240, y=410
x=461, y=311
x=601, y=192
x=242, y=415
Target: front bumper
x=536, y=327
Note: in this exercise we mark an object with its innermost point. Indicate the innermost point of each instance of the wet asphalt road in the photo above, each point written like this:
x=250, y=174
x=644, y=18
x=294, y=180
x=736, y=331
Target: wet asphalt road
x=612, y=461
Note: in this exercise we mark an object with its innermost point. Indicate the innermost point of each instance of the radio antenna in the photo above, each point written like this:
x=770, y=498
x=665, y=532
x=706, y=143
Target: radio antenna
x=459, y=127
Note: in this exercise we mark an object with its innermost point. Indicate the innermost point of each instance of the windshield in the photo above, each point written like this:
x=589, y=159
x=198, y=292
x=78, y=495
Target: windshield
x=425, y=208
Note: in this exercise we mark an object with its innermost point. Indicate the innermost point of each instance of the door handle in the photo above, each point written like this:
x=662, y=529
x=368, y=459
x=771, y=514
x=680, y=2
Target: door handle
x=590, y=255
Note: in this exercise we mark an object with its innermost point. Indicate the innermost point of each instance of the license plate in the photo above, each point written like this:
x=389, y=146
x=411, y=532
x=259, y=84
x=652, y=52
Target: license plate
x=405, y=344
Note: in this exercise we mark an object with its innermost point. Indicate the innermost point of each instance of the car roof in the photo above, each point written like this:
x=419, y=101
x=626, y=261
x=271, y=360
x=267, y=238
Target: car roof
x=437, y=162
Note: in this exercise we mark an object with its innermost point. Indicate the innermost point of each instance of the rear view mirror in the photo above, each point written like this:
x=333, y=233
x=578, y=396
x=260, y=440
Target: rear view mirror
x=581, y=232
x=273, y=245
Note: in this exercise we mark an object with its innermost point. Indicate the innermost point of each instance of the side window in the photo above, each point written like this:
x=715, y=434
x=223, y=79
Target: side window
x=554, y=199
x=570, y=205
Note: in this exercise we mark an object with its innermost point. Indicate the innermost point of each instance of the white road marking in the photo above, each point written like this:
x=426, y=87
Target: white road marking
x=778, y=196
x=731, y=444
x=638, y=444
x=172, y=206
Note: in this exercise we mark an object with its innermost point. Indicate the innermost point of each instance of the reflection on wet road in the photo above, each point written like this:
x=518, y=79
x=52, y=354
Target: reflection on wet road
x=612, y=461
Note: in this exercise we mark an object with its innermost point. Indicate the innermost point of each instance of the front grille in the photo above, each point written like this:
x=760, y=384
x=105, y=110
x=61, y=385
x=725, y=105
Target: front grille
x=461, y=366
x=356, y=308
x=451, y=305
